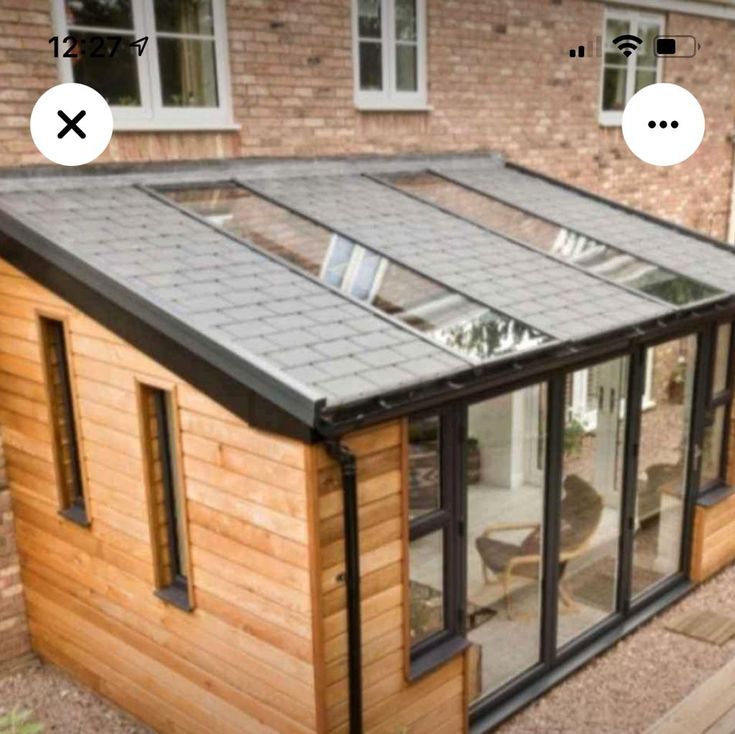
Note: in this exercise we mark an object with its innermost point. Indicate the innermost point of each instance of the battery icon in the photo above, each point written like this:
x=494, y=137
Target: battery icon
x=677, y=46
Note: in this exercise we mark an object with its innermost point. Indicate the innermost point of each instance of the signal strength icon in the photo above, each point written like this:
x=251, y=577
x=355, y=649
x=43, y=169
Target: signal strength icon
x=627, y=44
x=580, y=52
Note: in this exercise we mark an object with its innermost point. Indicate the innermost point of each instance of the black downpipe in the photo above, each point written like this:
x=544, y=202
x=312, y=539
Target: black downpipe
x=348, y=465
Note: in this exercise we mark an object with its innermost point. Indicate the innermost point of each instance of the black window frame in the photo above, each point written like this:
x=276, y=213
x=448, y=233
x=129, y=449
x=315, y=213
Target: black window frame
x=714, y=401
x=434, y=649
x=177, y=591
x=71, y=494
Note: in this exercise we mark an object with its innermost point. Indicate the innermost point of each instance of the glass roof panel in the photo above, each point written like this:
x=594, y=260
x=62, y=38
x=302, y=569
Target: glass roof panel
x=600, y=259
x=448, y=317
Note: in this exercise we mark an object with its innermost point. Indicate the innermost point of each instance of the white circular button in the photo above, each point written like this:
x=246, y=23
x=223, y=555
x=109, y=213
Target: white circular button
x=663, y=124
x=71, y=124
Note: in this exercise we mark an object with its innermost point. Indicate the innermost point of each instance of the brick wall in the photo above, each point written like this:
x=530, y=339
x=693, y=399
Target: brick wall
x=13, y=628
x=499, y=78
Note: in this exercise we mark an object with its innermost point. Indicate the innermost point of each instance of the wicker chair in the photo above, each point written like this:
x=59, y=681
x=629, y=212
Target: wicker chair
x=581, y=511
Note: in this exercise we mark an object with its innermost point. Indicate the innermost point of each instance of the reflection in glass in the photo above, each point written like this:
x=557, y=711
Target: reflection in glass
x=505, y=467
x=371, y=66
x=426, y=563
x=591, y=501
x=184, y=16
x=662, y=463
x=114, y=77
x=609, y=262
x=722, y=358
x=424, y=461
x=712, y=443
x=406, y=46
x=616, y=68
x=448, y=317
x=188, y=72
x=96, y=14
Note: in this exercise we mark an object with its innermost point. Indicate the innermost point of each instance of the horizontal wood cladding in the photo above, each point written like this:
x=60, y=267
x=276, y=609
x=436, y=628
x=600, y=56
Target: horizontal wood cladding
x=244, y=659
x=713, y=545
x=436, y=702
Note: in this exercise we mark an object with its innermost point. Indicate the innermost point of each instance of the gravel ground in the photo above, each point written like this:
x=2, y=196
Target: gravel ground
x=630, y=687
x=62, y=705
x=622, y=692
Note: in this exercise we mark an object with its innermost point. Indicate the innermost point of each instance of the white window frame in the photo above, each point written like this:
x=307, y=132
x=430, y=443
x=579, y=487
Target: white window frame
x=152, y=114
x=389, y=98
x=352, y=270
x=614, y=118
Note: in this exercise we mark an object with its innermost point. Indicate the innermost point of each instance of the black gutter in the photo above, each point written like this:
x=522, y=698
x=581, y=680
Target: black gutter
x=348, y=466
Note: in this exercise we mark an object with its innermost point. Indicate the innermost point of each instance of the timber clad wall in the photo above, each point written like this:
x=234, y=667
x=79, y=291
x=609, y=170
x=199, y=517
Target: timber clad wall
x=436, y=703
x=499, y=78
x=243, y=661
x=13, y=627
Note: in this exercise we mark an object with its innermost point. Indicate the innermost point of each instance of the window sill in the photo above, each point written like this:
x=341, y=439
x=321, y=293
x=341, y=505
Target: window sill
x=153, y=126
x=176, y=596
x=616, y=121
x=436, y=657
x=387, y=107
x=77, y=515
x=714, y=496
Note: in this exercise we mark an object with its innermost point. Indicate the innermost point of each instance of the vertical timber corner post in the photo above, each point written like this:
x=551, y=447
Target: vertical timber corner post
x=14, y=638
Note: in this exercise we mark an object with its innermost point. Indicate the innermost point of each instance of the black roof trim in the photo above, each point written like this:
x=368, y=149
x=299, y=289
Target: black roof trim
x=526, y=366
x=249, y=392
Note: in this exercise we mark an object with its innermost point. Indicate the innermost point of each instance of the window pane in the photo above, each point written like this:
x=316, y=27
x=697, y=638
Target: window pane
x=662, y=464
x=188, y=72
x=184, y=16
x=116, y=79
x=591, y=502
x=644, y=77
x=370, y=19
x=337, y=260
x=505, y=460
x=722, y=358
x=100, y=13
x=364, y=282
x=406, y=68
x=426, y=561
x=424, y=465
x=406, y=20
x=714, y=433
x=613, y=29
x=371, y=66
x=645, y=56
x=613, y=89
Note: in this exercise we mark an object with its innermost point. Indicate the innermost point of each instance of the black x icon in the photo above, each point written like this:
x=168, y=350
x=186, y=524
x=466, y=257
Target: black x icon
x=72, y=124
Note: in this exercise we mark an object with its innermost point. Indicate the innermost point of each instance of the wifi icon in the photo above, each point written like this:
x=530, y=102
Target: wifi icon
x=627, y=43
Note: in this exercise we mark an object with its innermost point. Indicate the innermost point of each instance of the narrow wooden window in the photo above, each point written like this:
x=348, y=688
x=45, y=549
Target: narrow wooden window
x=63, y=421
x=167, y=517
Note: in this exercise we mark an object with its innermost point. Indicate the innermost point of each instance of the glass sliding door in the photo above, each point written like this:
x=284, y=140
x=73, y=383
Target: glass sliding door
x=591, y=498
x=505, y=461
x=661, y=480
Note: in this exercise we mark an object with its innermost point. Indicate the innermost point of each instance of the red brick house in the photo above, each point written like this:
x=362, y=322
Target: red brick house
x=319, y=414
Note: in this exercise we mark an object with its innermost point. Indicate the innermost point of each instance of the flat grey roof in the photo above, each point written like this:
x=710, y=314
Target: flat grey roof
x=292, y=339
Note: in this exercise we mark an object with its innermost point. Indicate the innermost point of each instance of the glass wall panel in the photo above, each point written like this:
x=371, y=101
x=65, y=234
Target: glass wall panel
x=424, y=466
x=722, y=358
x=426, y=559
x=662, y=463
x=505, y=469
x=712, y=445
x=591, y=501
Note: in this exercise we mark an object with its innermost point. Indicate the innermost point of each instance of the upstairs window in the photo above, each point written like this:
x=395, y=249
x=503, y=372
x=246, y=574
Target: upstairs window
x=623, y=76
x=179, y=81
x=390, y=54
x=63, y=421
x=165, y=498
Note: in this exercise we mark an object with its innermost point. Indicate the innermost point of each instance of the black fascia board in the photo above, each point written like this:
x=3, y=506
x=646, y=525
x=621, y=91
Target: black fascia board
x=245, y=389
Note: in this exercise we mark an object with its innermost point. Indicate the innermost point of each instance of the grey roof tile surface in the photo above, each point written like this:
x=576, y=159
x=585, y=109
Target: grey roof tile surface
x=524, y=284
x=259, y=309
x=628, y=231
